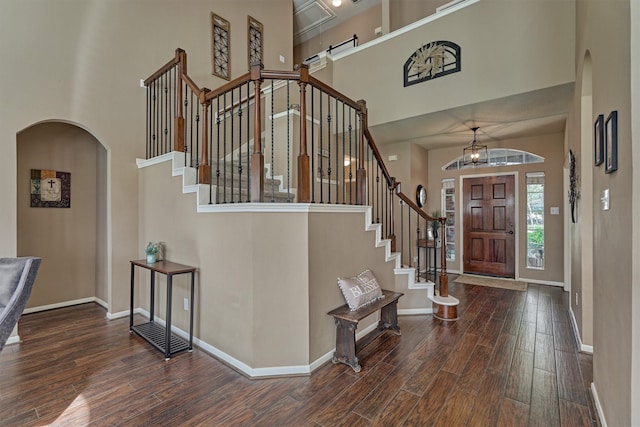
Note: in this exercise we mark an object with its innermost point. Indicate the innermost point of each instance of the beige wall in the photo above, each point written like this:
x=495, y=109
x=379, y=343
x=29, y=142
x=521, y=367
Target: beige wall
x=265, y=303
x=95, y=53
x=513, y=69
x=405, y=12
x=603, y=30
x=65, y=238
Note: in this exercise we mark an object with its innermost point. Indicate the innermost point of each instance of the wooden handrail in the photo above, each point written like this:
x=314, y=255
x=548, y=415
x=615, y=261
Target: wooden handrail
x=331, y=91
x=376, y=153
x=245, y=78
x=166, y=67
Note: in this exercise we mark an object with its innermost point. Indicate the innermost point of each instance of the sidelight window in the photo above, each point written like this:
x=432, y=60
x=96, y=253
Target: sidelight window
x=535, y=220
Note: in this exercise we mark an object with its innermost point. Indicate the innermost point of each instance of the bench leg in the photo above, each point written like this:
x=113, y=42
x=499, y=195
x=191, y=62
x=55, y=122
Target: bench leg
x=346, y=344
x=389, y=318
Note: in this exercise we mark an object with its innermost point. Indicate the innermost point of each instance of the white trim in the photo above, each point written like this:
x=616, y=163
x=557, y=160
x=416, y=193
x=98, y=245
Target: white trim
x=596, y=401
x=542, y=282
x=63, y=304
x=414, y=311
x=576, y=333
x=243, y=367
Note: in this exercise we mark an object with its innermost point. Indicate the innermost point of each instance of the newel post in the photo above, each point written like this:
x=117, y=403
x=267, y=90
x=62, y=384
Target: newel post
x=361, y=173
x=178, y=136
x=444, y=279
x=304, y=183
x=204, y=168
x=256, y=168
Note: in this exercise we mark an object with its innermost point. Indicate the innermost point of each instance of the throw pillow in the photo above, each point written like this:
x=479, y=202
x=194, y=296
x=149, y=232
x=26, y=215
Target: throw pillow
x=360, y=290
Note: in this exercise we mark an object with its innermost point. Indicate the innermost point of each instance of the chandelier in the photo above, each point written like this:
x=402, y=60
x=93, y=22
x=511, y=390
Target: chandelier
x=475, y=153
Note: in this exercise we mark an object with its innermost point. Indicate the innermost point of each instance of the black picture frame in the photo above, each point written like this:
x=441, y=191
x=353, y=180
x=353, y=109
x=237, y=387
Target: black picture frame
x=598, y=140
x=611, y=143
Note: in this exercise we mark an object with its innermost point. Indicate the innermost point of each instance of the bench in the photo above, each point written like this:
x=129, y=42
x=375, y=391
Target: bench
x=347, y=322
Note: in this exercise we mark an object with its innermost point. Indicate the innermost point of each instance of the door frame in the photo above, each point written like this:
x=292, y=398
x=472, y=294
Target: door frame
x=516, y=243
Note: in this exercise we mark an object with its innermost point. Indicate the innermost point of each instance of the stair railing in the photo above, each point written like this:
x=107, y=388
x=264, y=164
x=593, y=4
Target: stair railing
x=260, y=121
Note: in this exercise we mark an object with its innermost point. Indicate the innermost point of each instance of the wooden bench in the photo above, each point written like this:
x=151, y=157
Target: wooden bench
x=347, y=322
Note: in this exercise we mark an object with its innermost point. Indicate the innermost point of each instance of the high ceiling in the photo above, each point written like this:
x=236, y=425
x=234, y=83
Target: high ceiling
x=529, y=114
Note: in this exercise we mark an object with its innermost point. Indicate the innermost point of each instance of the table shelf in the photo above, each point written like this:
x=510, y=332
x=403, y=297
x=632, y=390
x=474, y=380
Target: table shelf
x=155, y=334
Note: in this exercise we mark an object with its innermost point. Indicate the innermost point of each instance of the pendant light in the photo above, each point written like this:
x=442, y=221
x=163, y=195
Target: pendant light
x=475, y=153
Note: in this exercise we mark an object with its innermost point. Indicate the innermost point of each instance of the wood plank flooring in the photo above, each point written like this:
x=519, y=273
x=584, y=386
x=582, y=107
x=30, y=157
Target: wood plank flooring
x=511, y=360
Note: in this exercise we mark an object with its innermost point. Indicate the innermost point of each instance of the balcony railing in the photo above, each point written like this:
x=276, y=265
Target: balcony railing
x=282, y=136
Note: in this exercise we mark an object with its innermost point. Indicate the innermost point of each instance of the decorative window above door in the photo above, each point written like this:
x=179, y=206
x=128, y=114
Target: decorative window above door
x=497, y=157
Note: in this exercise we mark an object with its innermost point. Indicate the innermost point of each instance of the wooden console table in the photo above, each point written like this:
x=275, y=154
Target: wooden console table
x=152, y=332
x=347, y=322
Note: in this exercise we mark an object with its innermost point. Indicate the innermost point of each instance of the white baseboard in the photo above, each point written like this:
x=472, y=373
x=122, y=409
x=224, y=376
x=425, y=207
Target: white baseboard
x=64, y=304
x=542, y=282
x=596, y=401
x=576, y=332
x=414, y=311
x=243, y=367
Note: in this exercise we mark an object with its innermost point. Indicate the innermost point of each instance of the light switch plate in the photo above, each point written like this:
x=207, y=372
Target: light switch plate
x=605, y=200
x=554, y=210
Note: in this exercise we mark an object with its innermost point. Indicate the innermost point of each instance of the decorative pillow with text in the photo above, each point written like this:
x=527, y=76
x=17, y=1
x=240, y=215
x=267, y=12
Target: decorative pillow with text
x=360, y=290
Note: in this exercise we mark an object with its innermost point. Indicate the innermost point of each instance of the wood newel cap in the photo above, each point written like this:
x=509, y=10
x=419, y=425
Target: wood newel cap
x=256, y=71
x=303, y=69
x=203, y=95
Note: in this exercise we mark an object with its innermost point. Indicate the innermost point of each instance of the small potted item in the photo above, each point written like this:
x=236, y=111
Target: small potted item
x=151, y=250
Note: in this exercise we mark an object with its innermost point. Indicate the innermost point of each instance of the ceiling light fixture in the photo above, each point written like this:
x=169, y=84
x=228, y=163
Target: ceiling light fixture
x=336, y=3
x=475, y=153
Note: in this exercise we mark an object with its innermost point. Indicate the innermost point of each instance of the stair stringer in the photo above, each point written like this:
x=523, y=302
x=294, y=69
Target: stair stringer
x=405, y=276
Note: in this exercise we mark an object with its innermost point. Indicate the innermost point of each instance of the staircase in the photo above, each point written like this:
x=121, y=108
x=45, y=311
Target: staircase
x=322, y=136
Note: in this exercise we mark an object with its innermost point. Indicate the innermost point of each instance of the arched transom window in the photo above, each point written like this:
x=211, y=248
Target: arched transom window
x=497, y=157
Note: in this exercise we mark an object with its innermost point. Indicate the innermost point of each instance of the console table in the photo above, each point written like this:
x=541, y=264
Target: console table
x=152, y=332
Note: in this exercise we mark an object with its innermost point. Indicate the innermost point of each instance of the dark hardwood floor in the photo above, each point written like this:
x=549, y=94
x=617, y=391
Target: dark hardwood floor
x=511, y=360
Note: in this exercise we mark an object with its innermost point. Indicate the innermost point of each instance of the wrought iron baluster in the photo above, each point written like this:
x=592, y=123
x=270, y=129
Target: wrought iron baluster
x=197, y=128
x=313, y=154
x=328, y=148
x=350, y=157
x=218, y=149
x=257, y=99
x=239, y=144
x=320, y=151
x=210, y=154
x=165, y=78
x=224, y=148
x=154, y=119
x=272, y=145
x=288, y=142
x=232, y=145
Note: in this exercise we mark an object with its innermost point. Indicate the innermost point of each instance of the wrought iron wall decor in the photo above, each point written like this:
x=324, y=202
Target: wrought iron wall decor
x=574, y=195
x=50, y=189
x=611, y=143
x=432, y=60
x=254, y=41
x=220, y=47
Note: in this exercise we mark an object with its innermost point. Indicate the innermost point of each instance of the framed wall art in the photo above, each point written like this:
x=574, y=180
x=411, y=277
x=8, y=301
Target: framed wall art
x=255, y=41
x=220, y=47
x=50, y=189
x=598, y=140
x=611, y=143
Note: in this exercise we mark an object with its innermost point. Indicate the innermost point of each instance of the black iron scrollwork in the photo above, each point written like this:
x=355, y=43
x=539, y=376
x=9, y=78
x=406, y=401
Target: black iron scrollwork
x=574, y=195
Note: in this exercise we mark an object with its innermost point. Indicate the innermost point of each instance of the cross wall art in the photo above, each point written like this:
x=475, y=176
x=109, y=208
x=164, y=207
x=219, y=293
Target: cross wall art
x=50, y=189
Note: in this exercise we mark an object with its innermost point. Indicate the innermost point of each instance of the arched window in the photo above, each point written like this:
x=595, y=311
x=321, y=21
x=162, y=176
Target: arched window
x=497, y=157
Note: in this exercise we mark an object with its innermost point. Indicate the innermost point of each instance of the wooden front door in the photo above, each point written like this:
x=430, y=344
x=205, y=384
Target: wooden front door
x=488, y=225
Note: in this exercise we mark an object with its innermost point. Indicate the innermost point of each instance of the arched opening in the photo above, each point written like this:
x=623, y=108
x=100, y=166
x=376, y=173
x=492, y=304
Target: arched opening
x=72, y=241
x=582, y=231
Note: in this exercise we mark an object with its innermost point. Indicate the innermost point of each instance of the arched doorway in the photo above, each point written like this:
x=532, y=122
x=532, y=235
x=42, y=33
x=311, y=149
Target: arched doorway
x=71, y=240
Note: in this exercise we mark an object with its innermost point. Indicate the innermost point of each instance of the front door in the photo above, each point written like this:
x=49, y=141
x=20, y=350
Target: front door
x=488, y=225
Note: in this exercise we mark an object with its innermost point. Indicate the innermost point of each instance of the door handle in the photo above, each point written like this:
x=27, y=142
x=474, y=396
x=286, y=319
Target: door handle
x=510, y=232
